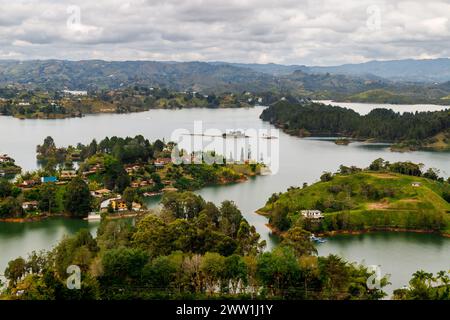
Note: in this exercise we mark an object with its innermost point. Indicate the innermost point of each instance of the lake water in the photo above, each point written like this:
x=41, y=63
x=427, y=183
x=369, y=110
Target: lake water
x=300, y=160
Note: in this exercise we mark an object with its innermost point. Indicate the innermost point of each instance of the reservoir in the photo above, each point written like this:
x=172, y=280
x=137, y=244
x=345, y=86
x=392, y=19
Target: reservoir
x=300, y=160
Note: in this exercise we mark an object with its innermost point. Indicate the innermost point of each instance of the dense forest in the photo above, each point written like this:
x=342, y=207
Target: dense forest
x=316, y=119
x=189, y=249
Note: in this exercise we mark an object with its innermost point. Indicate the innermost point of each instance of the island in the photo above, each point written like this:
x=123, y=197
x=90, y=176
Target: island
x=113, y=177
x=407, y=131
x=383, y=197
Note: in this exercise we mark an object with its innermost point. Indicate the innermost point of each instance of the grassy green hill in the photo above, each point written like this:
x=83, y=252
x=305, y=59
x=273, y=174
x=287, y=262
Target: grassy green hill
x=380, y=96
x=364, y=201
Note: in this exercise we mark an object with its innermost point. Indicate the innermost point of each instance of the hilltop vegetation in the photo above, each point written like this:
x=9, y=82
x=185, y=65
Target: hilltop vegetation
x=385, y=196
x=413, y=130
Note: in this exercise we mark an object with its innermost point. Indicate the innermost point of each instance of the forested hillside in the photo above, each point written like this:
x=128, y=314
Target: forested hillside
x=414, y=129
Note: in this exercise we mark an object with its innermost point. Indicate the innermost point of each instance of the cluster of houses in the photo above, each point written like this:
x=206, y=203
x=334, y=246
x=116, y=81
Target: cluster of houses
x=107, y=198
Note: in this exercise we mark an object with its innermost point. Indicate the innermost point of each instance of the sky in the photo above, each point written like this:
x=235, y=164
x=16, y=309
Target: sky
x=319, y=32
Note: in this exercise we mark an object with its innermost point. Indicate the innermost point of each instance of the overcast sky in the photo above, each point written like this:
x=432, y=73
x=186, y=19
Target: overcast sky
x=319, y=32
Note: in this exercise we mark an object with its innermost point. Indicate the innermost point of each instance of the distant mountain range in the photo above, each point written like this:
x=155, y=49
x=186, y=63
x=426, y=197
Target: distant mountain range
x=431, y=70
x=403, y=81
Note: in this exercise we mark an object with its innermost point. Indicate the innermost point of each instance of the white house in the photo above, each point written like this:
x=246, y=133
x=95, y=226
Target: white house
x=312, y=214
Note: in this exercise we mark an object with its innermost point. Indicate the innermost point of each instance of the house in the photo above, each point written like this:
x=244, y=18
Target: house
x=49, y=179
x=312, y=214
x=132, y=168
x=117, y=204
x=146, y=183
x=169, y=189
x=136, y=206
x=416, y=184
x=68, y=174
x=30, y=205
x=100, y=193
x=28, y=184
x=75, y=92
x=161, y=162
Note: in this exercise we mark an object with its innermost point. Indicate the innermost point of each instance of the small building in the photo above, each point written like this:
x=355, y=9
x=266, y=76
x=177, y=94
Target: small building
x=170, y=189
x=28, y=184
x=100, y=193
x=136, y=206
x=416, y=184
x=49, y=179
x=117, y=204
x=30, y=205
x=312, y=214
x=161, y=162
x=68, y=174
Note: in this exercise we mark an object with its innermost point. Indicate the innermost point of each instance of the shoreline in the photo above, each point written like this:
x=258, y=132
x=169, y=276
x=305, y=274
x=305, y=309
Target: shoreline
x=125, y=215
x=81, y=115
x=394, y=146
x=333, y=233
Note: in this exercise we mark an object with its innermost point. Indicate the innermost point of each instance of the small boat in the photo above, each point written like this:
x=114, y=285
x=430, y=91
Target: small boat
x=265, y=136
x=317, y=239
x=152, y=194
x=93, y=217
x=234, y=134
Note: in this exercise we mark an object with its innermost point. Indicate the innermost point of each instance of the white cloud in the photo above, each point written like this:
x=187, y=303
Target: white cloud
x=319, y=32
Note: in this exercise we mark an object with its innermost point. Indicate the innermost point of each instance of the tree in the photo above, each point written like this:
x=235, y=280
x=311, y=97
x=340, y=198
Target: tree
x=123, y=265
x=15, y=270
x=279, y=271
x=235, y=273
x=5, y=188
x=129, y=196
x=47, y=197
x=213, y=267
x=231, y=218
x=160, y=273
x=326, y=176
x=378, y=164
x=77, y=198
x=184, y=205
x=300, y=240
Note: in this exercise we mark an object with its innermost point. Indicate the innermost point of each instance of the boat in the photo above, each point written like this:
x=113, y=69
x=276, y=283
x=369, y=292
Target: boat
x=93, y=216
x=265, y=136
x=317, y=239
x=234, y=134
x=152, y=194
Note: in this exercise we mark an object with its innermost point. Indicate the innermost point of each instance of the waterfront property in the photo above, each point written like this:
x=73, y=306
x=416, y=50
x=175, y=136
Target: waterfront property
x=312, y=214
